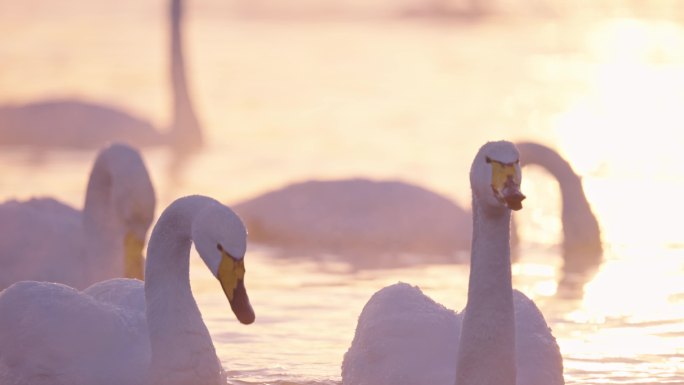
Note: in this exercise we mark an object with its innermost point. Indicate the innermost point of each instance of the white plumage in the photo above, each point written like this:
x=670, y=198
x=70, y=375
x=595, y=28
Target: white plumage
x=44, y=240
x=122, y=331
x=392, y=221
x=383, y=218
x=405, y=338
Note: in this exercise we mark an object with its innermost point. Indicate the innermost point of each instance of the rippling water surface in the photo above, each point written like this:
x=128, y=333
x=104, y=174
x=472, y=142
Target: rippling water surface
x=288, y=99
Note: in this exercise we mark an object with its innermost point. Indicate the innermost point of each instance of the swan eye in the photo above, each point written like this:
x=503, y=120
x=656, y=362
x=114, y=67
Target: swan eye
x=219, y=247
x=488, y=159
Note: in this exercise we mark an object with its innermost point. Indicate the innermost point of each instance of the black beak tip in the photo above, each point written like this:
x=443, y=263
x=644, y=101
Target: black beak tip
x=247, y=320
x=241, y=306
x=514, y=202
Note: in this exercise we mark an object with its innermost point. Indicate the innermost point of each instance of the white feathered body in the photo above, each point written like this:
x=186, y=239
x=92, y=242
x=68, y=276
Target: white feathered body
x=53, y=334
x=405, y=338
x=384, y=218
x=34, y=234
x=46, y=240
x=124, y=331
x=402, y=338
x=501, y=338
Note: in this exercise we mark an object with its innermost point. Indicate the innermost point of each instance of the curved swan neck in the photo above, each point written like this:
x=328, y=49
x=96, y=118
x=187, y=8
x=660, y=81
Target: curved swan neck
x=101, y=225
x=570, y=183
x=487, y=346
x=175, y=324
x=550, y=160
x=98, y=193
x=167, y=268
x=582, y=247
x=185, y=128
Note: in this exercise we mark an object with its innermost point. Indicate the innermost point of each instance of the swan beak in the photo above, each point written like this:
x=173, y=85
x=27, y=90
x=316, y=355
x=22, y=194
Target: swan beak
x=231, y=274
x=512, y=196
x=133, y=259
x=506, y=184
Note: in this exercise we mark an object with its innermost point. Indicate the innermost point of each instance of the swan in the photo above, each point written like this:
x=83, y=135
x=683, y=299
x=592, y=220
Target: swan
x=123, y=331
x=403, y=337
x=381, y=216
x=43, y=239
x=582, y=248
x=390, y=217
x=70, y=123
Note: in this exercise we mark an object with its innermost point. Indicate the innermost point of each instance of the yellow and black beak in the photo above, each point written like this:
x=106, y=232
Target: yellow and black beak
x=506, y=183
x=231, y=274
x=134, y=265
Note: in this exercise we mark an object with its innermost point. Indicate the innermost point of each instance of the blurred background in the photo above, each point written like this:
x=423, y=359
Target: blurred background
x=295, y=90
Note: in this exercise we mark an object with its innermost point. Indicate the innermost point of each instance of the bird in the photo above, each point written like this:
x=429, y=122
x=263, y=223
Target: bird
x=383, y=217
x=44, y=239
x=582, y=248
x=403, y=337
x=126, y=331
x=392, y=220
x=77, y=124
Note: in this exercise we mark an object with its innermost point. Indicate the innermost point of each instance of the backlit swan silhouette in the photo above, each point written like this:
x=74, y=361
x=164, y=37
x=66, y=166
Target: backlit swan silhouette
x=66, y=123
x=389, y=218
x=582, y=248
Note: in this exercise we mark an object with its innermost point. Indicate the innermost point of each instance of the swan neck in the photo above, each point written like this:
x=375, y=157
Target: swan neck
x=574, y=201
x=185, y=129
x=487, y=346
x=490, y=263
x=548, y=159
x=582, y=248
x=102, y=227
x=167, y=267
x=175, y=324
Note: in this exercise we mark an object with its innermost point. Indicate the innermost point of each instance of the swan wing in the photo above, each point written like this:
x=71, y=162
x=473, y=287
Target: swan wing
x=402, y=338
x=538, y=357
x=383, y=217
x=34, y=234
x=124, y=293
x=53, y=334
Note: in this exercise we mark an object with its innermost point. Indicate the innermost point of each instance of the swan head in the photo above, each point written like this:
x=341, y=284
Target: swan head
x=220, y=238
x=495, y=176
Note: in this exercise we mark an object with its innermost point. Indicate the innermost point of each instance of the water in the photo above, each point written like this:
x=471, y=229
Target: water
x=288, y=99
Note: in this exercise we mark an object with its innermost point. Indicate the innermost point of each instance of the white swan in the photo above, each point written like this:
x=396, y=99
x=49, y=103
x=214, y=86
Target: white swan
x=66, y=123
x=387, y=217
x=53, y=334
x=501, y=337
x=582, y=248
x=45, y=240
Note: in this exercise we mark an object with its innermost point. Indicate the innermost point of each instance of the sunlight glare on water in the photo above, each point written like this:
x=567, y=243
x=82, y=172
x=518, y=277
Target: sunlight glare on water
x=625, y=132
